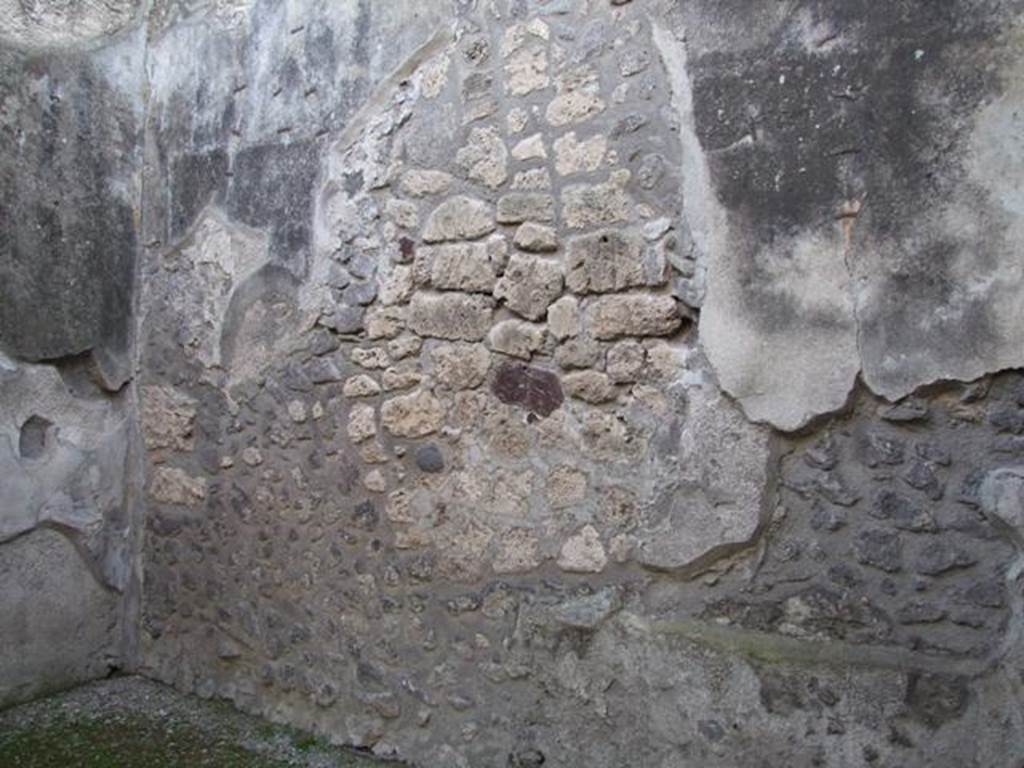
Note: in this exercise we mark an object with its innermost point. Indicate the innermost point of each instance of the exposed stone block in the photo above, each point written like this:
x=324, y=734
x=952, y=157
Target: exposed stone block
x=459, y=218
x=517, y=207
x=595, y=205
x=453, y=316
x=609, y=260
x=516, y=338
x=536, y=238
x=529, y=285
x=413, y=415
x=633, y=314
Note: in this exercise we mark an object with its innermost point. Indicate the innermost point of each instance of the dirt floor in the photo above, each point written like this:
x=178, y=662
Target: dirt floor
x=130, y=722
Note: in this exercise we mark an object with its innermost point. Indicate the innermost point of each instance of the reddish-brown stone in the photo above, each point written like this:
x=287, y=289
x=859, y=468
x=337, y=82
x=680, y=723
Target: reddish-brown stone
x=535, y=389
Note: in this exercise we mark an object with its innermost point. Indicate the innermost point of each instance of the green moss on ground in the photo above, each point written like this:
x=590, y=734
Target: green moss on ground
x=139, y=742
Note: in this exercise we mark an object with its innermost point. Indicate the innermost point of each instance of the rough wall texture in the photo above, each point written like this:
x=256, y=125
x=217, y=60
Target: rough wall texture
x=71, y=105
x=579, y=382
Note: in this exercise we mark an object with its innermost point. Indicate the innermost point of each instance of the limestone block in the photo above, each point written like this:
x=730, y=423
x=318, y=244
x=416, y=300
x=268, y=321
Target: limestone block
x=484, y=158
x=414, y=415
x=361, y=385
x=517, y=207
x=168, y=416
x=452, y=316
x=516, y=338
x=459, y=218
x=590, y=386
x=595, y=205
x=362, y=423
x=566, y=487
x=536, y=238
x=461, y=366
x=530, y=148
x=529, y=285
x=609, y=260
x=575, y=156
x=469, y=267
x=578, y=97
x=564, y=318
x=518, y=552
x=175, y=486
x=625, y=361
x=425, y=183
x=583, y=552
x=633, y=314
x=524, y=49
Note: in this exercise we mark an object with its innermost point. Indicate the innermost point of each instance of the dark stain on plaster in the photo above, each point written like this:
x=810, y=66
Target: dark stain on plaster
x=795, y=128
x=68, y=242
x=272, y=188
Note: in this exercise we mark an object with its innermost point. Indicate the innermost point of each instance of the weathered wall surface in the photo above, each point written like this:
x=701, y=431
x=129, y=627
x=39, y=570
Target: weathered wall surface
x=862, y=228
x=71, y=105
x=456, y=352
x=562, y=382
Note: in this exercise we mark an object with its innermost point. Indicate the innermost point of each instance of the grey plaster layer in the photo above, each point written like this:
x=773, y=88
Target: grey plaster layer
x=71, y=115
x=45, y=24
x=68, y=541
x=244, y=97
x=444, y=313
x=60, y=626
x=69, y=197
x=861, y=229
x=65, y=460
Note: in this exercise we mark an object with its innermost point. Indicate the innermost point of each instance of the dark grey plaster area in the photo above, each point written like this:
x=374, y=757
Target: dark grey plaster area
x=69, y=202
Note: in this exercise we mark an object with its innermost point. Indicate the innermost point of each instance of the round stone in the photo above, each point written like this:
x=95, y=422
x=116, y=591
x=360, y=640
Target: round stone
x=430, y=459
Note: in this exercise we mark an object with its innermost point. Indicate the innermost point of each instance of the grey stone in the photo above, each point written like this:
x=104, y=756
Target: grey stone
x=536, y=238
x=518, y=207
x=920, y=613
x=879, y=549
x=345, y=320
x=883, y=450
x=516, y=338
x=453, y=316
x=921, y=475
x=633, y=314
x=902, y=512
x=633, y=61
x=459, y=218
x=905, y=411
x=361, y=294
x=470, y=267
x=828, y=518
x=529, y=286
x=430, y=459
x=581, y=352
x=590, y=611
x=605, y=261
x=939, y=557
x=484, y=158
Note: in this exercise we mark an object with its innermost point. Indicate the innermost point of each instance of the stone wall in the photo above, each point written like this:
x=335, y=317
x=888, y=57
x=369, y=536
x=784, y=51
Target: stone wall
x=71, y=106
x=575, y=382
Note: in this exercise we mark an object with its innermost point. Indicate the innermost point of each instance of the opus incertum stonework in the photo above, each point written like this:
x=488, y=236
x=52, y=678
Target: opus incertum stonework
x=523, y=382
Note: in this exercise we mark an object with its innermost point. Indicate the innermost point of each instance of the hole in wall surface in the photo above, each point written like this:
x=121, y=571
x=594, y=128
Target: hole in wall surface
x=33, y=438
